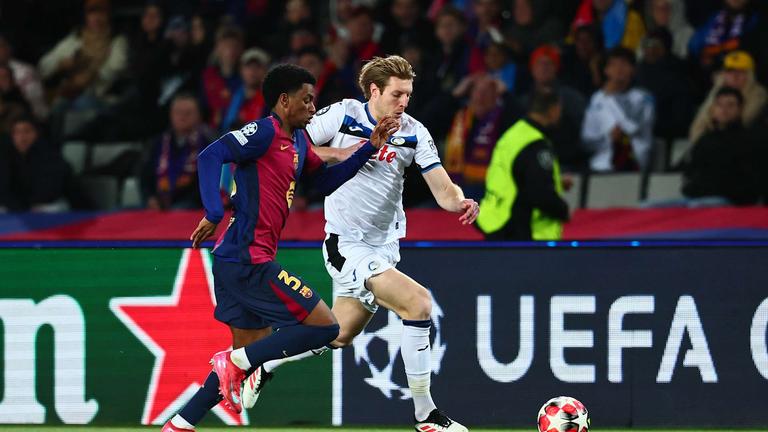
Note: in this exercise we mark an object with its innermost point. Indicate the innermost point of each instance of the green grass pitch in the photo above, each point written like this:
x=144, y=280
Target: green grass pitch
x=37, y=428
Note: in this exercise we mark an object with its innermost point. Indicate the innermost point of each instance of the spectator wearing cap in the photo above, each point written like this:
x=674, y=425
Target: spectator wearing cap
x=82, y=67
x=565, y=135
x=618, y=123
x=26, y=78
x=738, y=72
x=222, y=78
x=247, y=103
x=665, y=76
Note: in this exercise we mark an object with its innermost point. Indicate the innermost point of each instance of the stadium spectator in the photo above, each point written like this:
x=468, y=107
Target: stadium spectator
x=484, y=29
x=33, y=176
x=12, y=102
x=359, y=46
x=523, y=187
x=148, y=56
x=474, y=131
x=169, y=176
x=499, y=64
x=565, y=135
x=621, y=25
x=738, y=72
x=248, y=101
x=26, y=78
x=188, y=50
x=721, y=168
x=222, y=78
x=665, y=76
x=328, y=89
x=82, y=68
x=297, y=15
x=407, y=27
x=670, y=15
x=581, y=61
x=532, y=24
x=451, y=62
x=618, y=123
x=728, y=29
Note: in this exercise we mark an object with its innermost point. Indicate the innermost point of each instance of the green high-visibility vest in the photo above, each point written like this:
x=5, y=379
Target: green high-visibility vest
x=501, y=188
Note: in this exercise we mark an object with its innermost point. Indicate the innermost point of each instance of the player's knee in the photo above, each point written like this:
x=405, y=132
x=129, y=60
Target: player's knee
x=418, y=306
x=344, y=339
x=327, y=334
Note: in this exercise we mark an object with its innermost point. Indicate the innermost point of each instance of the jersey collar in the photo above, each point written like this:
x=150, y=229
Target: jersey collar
x=368, y=113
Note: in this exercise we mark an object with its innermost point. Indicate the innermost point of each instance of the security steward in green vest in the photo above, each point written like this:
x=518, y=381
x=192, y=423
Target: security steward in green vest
x=523, y=191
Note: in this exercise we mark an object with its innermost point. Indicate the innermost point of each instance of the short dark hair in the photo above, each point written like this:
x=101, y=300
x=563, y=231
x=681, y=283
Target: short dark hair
x=284, y=78
x=25, y=118
x=621, y=53
x=730, y=91
x=543, y=100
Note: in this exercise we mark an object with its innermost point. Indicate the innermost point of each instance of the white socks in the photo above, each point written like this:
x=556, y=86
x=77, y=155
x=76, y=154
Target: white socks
x=240, y=359
x=274, y=364
x=179, y=422
x=414, y=347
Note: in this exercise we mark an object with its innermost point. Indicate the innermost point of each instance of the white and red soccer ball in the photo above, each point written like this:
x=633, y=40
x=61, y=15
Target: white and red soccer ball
x=563, y=414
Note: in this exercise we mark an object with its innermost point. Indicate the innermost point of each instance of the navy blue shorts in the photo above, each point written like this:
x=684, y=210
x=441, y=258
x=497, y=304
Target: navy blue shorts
x=252, y=296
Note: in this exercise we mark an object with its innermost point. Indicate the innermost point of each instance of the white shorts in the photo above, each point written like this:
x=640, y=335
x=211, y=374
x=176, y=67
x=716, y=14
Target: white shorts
x=350, y=263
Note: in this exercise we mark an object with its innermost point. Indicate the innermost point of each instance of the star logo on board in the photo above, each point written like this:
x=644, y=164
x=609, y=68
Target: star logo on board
x=181, y=362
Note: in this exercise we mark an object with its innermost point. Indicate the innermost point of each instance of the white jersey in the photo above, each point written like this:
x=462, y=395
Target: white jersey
x=369, y=207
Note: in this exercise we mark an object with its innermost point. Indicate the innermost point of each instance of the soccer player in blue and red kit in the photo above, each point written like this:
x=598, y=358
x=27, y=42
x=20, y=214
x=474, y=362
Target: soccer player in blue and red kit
x=253, y=291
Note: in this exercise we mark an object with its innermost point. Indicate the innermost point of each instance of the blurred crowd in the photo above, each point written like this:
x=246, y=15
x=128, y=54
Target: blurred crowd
x=633, y=76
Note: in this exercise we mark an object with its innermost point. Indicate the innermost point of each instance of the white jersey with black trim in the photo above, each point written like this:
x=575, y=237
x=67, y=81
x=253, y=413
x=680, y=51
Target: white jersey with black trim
x=369, y=207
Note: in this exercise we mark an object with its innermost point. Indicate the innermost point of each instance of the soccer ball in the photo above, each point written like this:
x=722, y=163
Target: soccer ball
x=563, y=414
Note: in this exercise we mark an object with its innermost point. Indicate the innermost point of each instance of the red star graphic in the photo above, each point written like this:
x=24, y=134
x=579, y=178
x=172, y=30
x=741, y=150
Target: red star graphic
x=183, y=335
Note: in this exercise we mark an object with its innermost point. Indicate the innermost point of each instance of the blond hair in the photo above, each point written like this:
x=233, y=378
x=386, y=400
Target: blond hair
x=380, y=69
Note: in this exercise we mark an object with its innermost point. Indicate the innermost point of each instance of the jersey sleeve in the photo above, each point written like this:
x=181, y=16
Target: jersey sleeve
x=313, y=162
x=426, y=152
x=326, y=123
x=251, y=141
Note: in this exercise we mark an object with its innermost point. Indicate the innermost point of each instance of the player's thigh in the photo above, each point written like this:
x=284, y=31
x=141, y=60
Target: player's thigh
x=244, y=337
x=398, y=292
x=352, y=317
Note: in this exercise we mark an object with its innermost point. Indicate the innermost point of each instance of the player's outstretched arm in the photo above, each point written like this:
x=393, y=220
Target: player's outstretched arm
x=209, y=164
x=328, y=179
x=450, y=197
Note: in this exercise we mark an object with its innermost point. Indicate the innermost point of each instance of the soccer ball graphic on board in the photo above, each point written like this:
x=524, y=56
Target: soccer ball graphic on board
x=563, y=414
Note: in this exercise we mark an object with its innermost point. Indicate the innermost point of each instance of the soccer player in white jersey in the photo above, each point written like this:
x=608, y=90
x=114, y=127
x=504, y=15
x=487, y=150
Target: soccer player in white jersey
x=365, y=220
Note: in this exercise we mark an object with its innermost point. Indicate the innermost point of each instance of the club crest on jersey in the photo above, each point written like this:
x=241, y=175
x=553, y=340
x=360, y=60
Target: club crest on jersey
x=397, y=140
x=249, y=129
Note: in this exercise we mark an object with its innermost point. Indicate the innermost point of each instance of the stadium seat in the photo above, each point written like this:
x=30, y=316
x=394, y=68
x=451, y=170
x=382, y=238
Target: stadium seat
x=613, y=190
x=102, y=191
x=74, y=153
x=106, y=152
x=680, y=147
x=664, y=186
x=130, y=196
